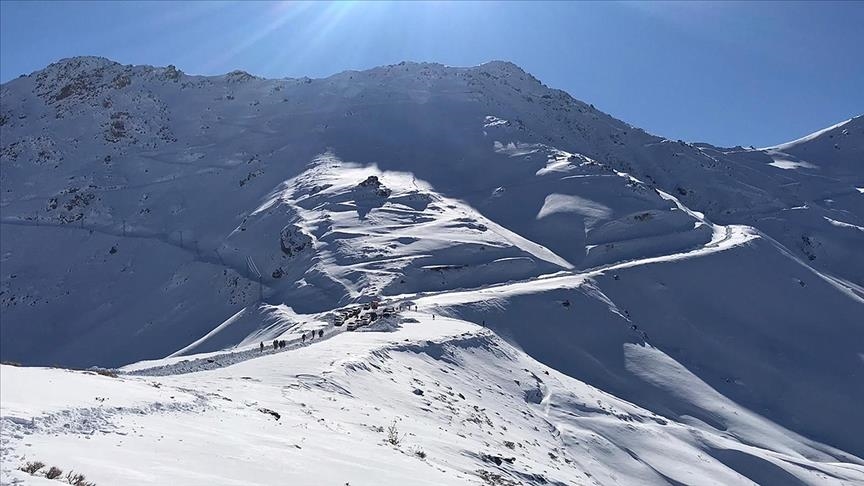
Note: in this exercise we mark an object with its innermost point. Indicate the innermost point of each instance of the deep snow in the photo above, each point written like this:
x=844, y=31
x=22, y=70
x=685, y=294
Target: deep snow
x=468, y=409
x=614, y=307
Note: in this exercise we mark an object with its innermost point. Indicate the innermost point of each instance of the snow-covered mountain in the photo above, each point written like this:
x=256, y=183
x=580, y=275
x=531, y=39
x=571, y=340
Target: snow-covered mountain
x=680, y=312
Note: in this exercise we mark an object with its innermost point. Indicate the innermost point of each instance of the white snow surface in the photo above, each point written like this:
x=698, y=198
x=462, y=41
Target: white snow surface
x=594, y=304
x=467, y=408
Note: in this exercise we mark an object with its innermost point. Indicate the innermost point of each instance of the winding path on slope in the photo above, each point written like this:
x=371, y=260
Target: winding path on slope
x=730, y=236
x=212, y=361
x=723, y=238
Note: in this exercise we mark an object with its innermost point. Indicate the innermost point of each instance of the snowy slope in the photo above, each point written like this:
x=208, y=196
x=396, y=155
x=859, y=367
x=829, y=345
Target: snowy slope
x=467, y=408
x=750, y=332
x=819, y=175
x=167, y=185
x=836, y=148
x=680, y=313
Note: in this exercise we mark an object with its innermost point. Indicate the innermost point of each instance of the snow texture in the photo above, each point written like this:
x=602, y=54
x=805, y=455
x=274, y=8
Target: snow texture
x=577, y=301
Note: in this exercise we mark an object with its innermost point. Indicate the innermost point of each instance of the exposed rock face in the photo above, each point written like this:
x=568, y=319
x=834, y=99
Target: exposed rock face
x=293, y=240
x=374, y=184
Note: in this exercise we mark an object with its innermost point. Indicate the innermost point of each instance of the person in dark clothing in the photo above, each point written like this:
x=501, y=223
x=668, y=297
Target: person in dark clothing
x=303, y=338
x=320, y=333
x=275, y=344
x=262, y=346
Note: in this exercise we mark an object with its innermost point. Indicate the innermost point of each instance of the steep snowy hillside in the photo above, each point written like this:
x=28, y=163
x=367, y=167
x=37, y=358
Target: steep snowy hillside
x=151, y=199
x=432, y=402
x=740, y=317
x=836, y=149
x=593, y=304
x=819, y=178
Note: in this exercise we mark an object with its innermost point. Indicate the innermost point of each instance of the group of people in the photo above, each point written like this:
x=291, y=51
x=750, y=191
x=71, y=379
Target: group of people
x=277, y=344
x=281, y=343
x=312, y=335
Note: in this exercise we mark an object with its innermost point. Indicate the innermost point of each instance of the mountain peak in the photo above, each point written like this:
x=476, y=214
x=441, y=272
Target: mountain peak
x=500, y=65
x=79, y=64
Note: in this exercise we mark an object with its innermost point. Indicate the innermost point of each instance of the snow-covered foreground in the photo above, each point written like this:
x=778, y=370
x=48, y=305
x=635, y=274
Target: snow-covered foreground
x=464, y=407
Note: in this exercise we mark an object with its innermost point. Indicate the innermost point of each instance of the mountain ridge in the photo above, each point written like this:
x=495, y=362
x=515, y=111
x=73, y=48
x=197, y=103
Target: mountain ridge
x=136, y=130
x=166, y=226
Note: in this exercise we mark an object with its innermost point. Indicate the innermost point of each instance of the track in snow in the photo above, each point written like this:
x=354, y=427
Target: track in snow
x=220, y=360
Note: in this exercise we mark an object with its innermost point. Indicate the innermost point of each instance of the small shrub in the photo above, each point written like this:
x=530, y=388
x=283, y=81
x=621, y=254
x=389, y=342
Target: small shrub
x=77, y=479
x=420, y=453
x=32, y=467
x=393, y=436
x=104, y=372
x=54, y=472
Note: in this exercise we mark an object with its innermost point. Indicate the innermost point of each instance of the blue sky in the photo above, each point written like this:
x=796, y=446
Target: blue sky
x=727, y=73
